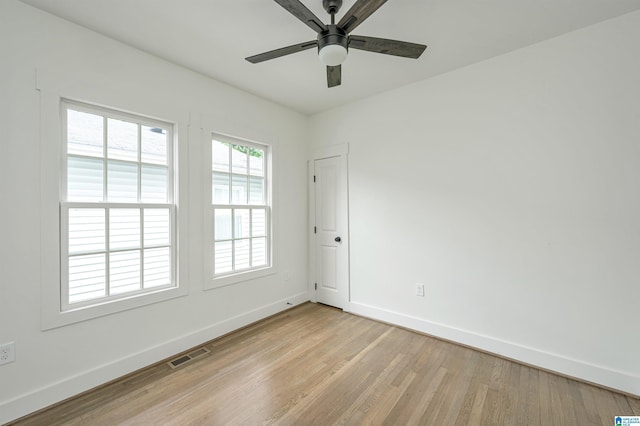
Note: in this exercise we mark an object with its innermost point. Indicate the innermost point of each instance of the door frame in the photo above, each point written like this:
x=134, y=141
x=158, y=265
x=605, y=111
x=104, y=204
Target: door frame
x=341, y=151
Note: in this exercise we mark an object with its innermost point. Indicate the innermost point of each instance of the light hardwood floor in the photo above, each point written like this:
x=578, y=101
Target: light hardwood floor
x=315, y=365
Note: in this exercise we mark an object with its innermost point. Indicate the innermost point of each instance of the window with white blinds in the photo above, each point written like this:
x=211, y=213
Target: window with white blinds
x=241, y=213
x=117, y=211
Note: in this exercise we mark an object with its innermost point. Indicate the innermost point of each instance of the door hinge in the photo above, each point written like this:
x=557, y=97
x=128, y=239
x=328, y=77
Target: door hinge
x=314, y=178
x=316, y=286
x=315, y=231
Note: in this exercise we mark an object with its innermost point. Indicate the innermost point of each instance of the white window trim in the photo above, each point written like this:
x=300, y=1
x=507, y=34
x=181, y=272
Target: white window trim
x=223, y=280
x=52, y=163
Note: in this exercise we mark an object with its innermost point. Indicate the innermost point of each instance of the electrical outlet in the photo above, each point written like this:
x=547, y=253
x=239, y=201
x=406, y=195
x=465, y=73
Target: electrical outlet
x=420, y=290
x=7, y=353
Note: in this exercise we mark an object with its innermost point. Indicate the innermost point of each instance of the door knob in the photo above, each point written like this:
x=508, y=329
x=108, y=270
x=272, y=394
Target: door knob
x=338, y=239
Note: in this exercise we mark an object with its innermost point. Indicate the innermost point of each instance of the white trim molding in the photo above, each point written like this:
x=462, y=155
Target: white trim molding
x=602, y=376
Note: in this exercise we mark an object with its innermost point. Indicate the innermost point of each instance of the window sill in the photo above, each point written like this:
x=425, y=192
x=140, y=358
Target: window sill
x=57, y=319
x=226, y=280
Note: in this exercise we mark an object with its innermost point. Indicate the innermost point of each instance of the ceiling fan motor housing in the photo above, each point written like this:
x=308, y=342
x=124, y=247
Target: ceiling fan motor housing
x=333, y=35
x=333, y=45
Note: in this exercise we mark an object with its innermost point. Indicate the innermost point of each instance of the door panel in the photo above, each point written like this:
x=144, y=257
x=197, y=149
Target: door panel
x=331, y=243
x=328, y=261
x=327, y=179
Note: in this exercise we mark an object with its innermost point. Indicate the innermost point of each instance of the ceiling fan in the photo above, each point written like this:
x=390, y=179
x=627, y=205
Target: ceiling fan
x=334, y=40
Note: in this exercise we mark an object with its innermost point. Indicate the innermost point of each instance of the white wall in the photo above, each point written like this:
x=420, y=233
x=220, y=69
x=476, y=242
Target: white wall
x=511, y=189
x=58, y=363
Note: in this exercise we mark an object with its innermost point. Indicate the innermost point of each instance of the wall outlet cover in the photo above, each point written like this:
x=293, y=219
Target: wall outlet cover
x=7, y=353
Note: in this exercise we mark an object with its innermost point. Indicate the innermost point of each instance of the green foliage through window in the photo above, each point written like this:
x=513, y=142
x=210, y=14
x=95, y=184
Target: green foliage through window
x=258, y=153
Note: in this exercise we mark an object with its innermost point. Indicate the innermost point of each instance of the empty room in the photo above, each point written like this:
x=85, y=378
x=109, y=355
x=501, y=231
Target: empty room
x=320, y=212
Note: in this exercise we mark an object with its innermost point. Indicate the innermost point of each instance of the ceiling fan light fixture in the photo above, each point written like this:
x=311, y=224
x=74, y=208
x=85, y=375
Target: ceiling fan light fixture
x=332, y=46
x=333, y=54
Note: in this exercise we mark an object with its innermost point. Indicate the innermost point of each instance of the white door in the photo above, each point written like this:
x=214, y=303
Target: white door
x=331, y=232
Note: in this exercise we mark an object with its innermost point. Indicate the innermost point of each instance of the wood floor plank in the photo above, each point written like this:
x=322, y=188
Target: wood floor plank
x=635, y=406
x=590, y=406
x=530, y=405
x=475, y=416
x=318, y=365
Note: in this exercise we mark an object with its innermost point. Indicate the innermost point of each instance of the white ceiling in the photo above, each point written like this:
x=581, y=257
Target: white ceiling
x=214, y=36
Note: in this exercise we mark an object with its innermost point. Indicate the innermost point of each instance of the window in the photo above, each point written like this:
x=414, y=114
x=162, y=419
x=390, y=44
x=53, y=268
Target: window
x=241, y=213
x=117, y=211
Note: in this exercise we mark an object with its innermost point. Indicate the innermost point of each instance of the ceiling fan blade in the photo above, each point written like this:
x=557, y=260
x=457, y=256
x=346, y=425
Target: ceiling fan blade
x=334, y=76
x=300, y=11
x=360, y=11
x=281, y=52
x=387, y=47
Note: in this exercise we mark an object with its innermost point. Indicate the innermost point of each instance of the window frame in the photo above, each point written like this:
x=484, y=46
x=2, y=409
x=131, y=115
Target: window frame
x=235, y=276
x=53, y=156
x=66, y=205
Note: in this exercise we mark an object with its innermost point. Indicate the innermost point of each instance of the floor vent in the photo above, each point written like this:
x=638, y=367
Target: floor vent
x=184, y=359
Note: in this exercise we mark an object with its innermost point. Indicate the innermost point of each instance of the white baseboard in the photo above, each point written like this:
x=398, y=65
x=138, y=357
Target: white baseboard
x=59, y=391
x=603, y=376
